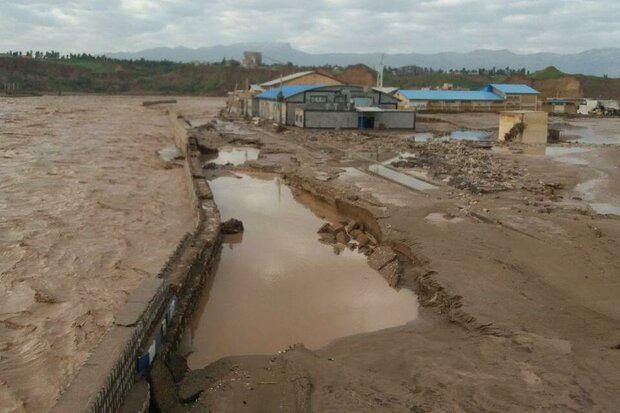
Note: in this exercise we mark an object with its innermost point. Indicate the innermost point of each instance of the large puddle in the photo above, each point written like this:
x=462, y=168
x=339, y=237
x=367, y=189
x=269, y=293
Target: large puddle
x=470, y=135
x=461, y=135
x=235, y=155
x=587, y=135
x=280, y=286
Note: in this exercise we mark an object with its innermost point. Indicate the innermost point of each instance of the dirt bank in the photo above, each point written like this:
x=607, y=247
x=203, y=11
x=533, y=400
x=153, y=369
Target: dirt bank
x=88, y=211
x=519, y=286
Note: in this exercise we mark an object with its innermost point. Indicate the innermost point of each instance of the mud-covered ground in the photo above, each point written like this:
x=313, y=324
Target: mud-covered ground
x=87, y=211
x=517, y=275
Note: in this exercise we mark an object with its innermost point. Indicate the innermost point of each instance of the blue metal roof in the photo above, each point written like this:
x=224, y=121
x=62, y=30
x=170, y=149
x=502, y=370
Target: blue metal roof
x=287, y=91
x=513, y=89
x=451, y=95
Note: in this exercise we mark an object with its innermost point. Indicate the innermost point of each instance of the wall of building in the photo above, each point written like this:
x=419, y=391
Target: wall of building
x=393, y=119
x=331, y=98
x=359, y=75
x=312, y=79
x=272, y=110
x=330, y=119
x=512, y=102
x=567, y=108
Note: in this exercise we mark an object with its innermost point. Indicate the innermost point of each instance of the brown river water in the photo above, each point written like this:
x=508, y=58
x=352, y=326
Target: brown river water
x=279, y=286
x=87, y=211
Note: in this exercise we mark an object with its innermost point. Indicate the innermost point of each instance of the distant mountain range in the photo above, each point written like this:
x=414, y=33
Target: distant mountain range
x=590, y=62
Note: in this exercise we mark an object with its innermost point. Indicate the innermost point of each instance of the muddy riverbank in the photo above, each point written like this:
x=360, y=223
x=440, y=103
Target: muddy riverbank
x=518, y=286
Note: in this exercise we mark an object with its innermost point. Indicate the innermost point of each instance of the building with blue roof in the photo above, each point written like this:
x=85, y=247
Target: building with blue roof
x=491, y=98
x=333, y=106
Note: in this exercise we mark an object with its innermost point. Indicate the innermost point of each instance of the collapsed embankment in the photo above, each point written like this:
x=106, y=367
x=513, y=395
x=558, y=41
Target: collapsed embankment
x=416, y=275
x=153, y=319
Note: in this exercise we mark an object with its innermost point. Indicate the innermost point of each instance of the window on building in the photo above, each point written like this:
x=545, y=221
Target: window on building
x=318, y=99
x=339, y=99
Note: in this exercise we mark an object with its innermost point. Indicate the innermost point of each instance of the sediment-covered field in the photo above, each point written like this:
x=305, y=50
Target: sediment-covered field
x=512, y=252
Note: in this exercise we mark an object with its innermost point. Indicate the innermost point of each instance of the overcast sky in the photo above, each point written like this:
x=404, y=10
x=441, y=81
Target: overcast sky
x=313, y=26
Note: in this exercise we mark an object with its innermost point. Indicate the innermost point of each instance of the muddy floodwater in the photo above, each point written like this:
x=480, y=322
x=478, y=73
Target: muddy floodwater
x=279, y=285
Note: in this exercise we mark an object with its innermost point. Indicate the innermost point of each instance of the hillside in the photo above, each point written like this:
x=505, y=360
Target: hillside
x=95, y=75
x=551, y=82
x=103, y=75
x=89, y=74
x=596, y=62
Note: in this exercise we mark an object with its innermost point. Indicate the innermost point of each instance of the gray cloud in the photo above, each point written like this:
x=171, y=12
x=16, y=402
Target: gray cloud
x=319, y=26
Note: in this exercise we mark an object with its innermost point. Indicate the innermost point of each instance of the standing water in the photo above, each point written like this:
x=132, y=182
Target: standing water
x=236, y=155
x=280, y=286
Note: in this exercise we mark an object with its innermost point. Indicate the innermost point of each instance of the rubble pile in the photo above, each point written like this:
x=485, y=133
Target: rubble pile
x=347, y=235
x=464, y=166
x=352, y=235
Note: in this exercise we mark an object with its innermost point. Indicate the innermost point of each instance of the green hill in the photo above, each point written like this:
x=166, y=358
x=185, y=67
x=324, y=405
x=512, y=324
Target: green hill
x=550, y=72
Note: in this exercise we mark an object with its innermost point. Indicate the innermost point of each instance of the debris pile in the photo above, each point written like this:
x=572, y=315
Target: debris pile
x=232, y=226
x=466, y=167
x=353, y=235
x=347, y=235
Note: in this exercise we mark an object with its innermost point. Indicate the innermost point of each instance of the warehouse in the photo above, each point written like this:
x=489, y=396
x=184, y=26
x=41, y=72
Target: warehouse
x=491, y=98
x=311, y=77
x=563, y=106
x=334, y=106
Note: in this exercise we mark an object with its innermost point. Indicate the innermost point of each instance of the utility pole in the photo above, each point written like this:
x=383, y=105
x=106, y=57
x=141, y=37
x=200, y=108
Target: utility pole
x=380, y=72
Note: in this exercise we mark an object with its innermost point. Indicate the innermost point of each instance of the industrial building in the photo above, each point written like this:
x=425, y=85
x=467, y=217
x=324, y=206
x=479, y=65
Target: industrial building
x=491, y=98
x=244, y=102
x=561, y=106
x=311, y=77
x=252, y=60
x=333, y=106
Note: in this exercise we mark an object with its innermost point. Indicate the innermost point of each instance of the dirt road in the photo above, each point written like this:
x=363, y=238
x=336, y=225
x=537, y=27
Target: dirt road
x=87, y=211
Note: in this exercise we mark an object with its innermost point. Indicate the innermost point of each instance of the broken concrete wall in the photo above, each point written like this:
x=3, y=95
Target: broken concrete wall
x=523, y=126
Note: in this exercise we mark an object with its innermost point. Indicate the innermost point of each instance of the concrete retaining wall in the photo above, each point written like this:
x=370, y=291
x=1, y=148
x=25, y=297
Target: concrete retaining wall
x=152, y=320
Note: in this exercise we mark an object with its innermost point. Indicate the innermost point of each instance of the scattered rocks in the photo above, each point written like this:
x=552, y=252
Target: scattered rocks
x=466, y=167
x=341, y=237
x=385, y=260
x=362, y=239
x=232, y=226
x=347, y=234
x=392, y=272
x=327, y=238
x=380, y=257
